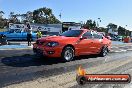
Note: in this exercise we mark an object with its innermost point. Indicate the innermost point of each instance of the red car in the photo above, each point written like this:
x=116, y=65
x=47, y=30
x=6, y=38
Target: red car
x=72, y=43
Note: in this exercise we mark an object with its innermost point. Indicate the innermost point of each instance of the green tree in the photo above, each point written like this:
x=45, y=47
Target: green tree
x=29, y=16
x=112, y=26
x=44, y=16
x=13, y=18
x=94, y=24
x=11, y=15
x=121, y=31
x=90, y=24
x=128, y=33
x=3, y=22
x=102, y=29
x=1, y=14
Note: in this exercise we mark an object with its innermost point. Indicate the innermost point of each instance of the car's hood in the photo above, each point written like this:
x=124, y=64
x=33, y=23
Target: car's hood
x=3, y=32
x=59, y=39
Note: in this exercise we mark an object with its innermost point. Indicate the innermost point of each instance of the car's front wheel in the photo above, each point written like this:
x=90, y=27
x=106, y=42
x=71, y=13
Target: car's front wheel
x=104, y=51
x=68, y=53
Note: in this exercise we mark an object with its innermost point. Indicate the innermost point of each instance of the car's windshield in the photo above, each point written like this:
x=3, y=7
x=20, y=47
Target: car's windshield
x=72, y=33
x=11, y=30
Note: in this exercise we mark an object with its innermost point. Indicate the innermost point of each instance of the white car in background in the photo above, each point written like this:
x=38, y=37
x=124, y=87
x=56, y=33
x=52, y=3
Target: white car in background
x=119, y=38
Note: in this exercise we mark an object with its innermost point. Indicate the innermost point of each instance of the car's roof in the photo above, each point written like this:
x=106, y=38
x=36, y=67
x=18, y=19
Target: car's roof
x=81, y=29
x=87, y=30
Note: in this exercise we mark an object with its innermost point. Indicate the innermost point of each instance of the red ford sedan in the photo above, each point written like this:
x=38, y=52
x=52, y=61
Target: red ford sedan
x=72, y=43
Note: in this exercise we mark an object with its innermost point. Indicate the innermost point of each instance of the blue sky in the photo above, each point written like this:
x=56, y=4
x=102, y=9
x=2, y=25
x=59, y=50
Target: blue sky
x=110, y=11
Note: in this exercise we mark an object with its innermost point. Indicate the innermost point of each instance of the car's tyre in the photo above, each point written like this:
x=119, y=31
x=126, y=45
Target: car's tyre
x=104, y=51
x=68, y=53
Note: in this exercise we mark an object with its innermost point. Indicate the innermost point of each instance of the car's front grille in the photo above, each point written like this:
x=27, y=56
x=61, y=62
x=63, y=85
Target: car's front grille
x=38, y=52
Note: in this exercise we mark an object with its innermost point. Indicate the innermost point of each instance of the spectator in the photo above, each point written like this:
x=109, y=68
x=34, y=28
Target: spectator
x=29, y=34
x=39, y=34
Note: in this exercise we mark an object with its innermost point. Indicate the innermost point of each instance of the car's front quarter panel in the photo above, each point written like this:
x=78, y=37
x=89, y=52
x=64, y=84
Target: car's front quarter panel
x=107, y=42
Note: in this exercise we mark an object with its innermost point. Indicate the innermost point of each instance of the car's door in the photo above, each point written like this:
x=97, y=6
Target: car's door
x=18, y=34
x=97, y=42
x=86, y=44
x=10, y=34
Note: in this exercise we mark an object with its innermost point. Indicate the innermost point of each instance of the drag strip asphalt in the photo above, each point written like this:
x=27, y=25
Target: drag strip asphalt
x=18, y=66
x=16, y=69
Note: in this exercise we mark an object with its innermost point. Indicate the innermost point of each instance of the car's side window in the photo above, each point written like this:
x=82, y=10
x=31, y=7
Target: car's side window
x=97, y=36
x=11, y=31
x=88, y=35
x=100, y=36
x=18, y=31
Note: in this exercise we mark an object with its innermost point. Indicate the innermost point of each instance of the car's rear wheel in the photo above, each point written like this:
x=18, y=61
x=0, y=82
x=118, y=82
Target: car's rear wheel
x=68, y=53
x=104, y=51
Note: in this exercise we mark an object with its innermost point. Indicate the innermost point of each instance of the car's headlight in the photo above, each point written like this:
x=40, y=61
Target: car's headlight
x=52, y=44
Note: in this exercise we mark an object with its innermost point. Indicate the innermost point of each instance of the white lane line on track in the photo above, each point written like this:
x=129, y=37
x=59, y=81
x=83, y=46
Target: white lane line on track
x=129, y=49
x=117, y=51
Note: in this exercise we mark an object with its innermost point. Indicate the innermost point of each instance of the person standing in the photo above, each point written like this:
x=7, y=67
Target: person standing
x=39, y=34
x=29, y=34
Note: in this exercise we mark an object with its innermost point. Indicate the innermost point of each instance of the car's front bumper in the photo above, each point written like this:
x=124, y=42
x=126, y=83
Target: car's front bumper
x=47, y=51
x=38, y=52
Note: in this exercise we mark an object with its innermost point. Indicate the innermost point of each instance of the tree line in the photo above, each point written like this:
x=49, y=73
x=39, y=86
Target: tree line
x=42, y=16
x=122, y=31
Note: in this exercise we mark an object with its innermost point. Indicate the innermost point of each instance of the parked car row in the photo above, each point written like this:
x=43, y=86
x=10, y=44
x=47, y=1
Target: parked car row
x=117, y=38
